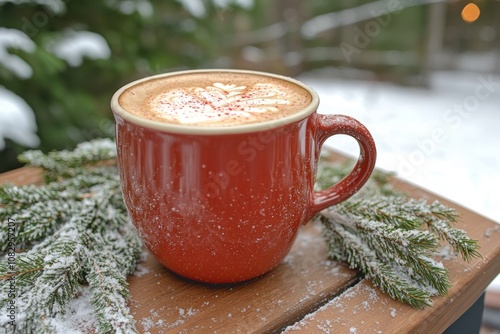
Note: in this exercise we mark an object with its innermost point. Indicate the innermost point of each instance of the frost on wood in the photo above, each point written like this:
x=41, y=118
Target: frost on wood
x=71, y=233
x=391, y=238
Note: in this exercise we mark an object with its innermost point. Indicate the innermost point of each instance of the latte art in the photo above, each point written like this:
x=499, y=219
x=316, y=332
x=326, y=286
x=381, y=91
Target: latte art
x=218, y=102
x=212, y=99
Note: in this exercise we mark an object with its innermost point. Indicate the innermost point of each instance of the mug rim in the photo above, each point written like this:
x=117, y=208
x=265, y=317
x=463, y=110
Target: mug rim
x=118, y=110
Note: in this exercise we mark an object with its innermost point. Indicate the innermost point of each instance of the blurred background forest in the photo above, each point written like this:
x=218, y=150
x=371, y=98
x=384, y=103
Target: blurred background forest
x=61, y=60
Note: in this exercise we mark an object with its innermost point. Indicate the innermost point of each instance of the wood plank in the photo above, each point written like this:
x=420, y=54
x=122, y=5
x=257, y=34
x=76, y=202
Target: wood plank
x=22, y=176
x=364, y=309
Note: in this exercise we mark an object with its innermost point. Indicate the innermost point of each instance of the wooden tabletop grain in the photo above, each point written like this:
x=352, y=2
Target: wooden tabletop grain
x=306, y=293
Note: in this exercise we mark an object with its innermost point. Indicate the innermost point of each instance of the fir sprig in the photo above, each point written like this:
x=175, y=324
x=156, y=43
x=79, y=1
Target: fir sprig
x=65, y=163
x=345, y=245
x=391, y=238
x=70, y=232
x=109, y=296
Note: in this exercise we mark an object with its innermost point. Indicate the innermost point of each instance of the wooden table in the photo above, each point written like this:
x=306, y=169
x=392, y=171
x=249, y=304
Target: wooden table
x=306, y=293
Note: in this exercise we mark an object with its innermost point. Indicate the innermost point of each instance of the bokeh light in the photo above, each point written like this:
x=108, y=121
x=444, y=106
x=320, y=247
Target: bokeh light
x=470, y=13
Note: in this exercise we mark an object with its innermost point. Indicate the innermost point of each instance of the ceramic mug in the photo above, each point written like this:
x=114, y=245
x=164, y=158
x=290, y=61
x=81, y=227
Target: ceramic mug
x=224, y=204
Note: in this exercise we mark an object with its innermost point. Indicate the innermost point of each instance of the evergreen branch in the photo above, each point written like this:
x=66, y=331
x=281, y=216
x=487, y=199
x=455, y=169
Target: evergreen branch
x=26, y=268
x=90, y=152
x=398, y=240
x=110, y=305
x=79, y=232
x=329, y=174
x=457, y=238
x=64, y=164
x=346, y=246
x=31, y=194
x=396, y=210
x=396, y=248
x=64, y=255
x=21, y=274
x=109, y=295
x=34, y=222
x=107, y=276
x=61, y=278
x=382, y=232
x=440, y=220
x=125, y=242
x=39, y=210
x=443, y=212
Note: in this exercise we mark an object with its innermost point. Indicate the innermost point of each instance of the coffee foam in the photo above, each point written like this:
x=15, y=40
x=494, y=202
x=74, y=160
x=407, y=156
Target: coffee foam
x=214, y=99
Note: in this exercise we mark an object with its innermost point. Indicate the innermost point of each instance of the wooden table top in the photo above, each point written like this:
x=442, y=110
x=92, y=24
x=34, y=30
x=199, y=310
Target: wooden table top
x=306, y=293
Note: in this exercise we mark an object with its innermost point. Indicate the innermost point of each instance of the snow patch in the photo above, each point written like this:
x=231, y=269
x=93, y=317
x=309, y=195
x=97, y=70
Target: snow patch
x=73, y=46
x=13, y=38
x=17, y=119
x=79, y=318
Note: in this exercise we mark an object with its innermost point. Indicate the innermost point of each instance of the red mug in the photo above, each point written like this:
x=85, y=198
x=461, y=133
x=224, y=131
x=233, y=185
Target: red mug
x=224, y=204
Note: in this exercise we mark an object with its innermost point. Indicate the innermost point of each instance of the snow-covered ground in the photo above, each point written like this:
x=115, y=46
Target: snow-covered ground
x=445, y=139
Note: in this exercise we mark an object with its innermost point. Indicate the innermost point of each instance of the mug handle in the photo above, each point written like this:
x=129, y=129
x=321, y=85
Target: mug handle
x=330, y=125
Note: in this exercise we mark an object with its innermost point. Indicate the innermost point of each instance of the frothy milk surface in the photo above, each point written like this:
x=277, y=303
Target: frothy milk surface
x=214, y=99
